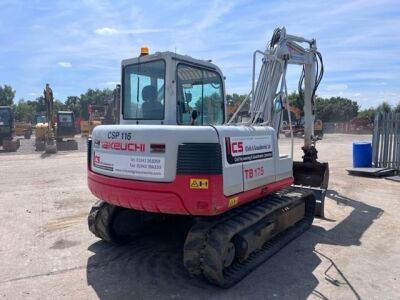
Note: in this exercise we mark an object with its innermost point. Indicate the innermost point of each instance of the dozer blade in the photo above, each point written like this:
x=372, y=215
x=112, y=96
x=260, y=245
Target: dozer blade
x=50, y=147
x=40, y=146
x=11, y=145
x=67, y=145
x=315, y=177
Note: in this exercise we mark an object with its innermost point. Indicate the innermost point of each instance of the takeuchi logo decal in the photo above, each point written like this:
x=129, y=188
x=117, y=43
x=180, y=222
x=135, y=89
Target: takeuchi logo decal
x=123, y=146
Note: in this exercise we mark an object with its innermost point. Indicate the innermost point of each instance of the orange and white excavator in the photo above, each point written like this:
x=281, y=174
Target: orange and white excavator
x=175, y=153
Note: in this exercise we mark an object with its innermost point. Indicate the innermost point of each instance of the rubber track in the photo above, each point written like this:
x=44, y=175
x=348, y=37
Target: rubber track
x=99, y=220
x=205, y=244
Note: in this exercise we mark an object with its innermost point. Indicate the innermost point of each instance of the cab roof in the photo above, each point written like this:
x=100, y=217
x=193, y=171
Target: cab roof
x=167, y=55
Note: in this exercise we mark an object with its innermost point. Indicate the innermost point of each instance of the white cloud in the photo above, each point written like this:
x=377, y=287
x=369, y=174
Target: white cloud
x=64, y=64
x=214, y=13
x=336, y=87
x=114, y=31
x=112, y=82
x=144, y=30
x=106, y=31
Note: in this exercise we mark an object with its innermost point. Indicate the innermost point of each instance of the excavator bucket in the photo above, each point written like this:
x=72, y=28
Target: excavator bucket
x=313, y=176
x=50, y=146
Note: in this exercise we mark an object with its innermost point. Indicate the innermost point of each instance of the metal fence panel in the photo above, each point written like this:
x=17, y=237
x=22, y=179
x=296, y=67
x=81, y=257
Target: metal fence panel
x=386, y=141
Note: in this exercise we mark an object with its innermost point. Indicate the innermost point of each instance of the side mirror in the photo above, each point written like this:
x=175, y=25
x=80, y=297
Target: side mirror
x=278, y=105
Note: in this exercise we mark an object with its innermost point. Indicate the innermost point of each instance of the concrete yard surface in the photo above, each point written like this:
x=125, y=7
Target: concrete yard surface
x=47, y=251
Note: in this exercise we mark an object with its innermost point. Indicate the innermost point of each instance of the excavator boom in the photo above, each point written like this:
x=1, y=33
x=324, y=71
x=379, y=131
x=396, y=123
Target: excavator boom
x=268, y=100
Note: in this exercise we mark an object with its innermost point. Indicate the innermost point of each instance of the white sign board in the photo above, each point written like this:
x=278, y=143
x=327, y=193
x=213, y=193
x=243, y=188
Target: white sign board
x=128, y=165
x=247, y=148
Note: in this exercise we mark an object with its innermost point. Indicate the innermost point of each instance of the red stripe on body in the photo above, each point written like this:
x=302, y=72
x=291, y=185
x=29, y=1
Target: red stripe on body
x=174, y=197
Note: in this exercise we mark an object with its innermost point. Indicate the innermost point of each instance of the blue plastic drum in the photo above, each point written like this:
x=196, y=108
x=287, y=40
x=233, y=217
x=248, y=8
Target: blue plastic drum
x=362, y=155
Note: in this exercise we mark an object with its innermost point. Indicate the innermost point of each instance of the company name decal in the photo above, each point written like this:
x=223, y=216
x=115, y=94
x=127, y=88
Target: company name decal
x=143, y=166
x=123, y=146
x=241, y=149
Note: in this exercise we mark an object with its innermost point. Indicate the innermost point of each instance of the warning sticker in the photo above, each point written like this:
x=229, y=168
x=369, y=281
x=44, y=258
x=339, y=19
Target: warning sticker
x=233, y=201
x=198, y=183
x=141, y=166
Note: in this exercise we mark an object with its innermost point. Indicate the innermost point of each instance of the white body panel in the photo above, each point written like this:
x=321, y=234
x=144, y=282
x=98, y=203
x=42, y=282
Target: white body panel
x=250, y=156
x=255, y=152
x=141, y=138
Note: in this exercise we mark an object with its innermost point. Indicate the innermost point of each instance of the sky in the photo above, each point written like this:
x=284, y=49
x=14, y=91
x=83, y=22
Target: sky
x=76, y=45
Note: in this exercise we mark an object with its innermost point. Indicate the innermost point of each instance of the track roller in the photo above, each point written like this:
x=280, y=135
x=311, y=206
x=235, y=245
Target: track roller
x=224, y=249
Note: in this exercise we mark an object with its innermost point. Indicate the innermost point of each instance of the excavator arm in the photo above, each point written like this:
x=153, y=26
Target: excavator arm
x=268, y=100
x=50, y=144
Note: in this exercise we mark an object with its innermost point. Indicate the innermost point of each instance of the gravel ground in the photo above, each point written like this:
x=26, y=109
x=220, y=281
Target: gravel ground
x=28, y=146
x=47, y=252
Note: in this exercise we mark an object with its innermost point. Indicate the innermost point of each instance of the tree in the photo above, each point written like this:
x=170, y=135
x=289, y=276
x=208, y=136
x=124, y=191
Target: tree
x=94, y=97
x=210, y=108
x=58, y=105
x=7, y=95
x=236, y=99
x=295, y=100
x=384, y=107
x=39, y=103
x=336, y=109
x=369, y=113
x=73, y=103
x=25, y=111
x=233, y=103
x=396, y=109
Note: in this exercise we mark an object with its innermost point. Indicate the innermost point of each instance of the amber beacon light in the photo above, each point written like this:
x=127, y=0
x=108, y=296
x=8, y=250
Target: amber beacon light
x=144, y=51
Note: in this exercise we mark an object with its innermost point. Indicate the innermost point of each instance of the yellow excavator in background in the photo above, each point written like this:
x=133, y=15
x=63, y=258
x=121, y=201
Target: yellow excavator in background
x=7, y=130
x=50, y=135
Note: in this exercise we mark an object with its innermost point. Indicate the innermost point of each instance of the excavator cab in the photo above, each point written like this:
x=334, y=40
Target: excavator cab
x=65, y=131
x=7, y=130
x=171, y=89
x=65, y=124
x=6, y=124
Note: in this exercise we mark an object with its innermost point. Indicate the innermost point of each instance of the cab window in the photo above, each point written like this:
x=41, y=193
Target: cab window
x=143, y=91
x=65, y=120
x=5, y=116
x=199, y=96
